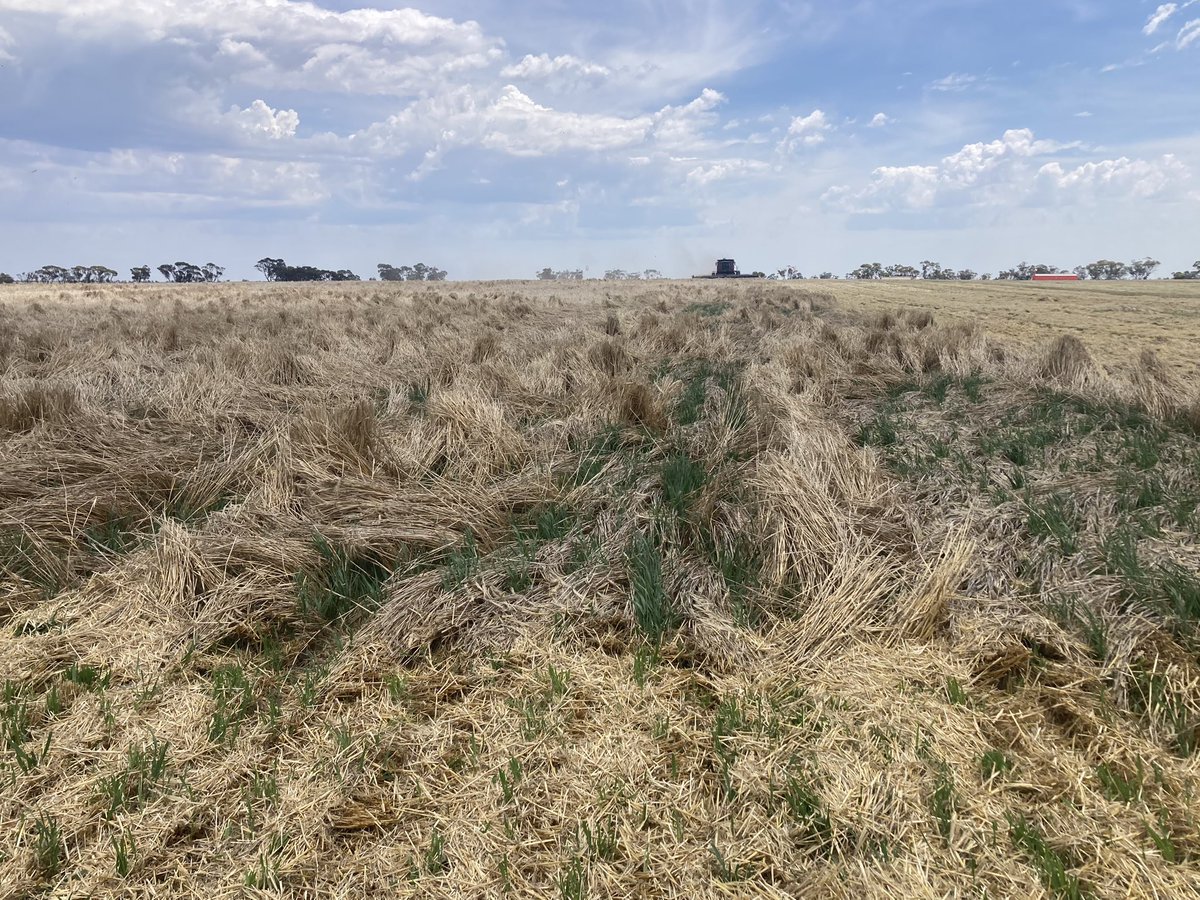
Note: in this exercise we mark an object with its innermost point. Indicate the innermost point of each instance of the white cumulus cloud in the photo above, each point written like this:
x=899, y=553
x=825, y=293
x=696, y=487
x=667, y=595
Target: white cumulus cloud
x=258, y=120
x=544, y=67
x=290, y=43
x=1138, y=179
x=879, y=120
x=1006, y=172
x=725, y=169
x=517, y=125
x=807, y=131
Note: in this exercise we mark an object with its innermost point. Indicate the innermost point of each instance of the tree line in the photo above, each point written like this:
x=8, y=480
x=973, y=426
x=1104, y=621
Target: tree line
x=1100, y=270
x=278, y=270
x=190, y=273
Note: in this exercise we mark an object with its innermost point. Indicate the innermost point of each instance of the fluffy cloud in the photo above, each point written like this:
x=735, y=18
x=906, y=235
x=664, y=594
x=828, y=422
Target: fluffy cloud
x=725, y=169
x=515, y=124
x=807, y=131
x=285, y=42
x=1138, y=179
x=259, y=121
x=1007, y=172
x=544, y=68
x=879, y=120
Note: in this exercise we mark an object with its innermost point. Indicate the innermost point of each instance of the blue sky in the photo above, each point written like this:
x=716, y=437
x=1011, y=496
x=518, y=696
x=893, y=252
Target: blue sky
x=494, y=138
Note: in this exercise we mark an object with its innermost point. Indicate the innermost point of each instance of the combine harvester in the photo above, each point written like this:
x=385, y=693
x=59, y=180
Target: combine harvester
x=727, y=268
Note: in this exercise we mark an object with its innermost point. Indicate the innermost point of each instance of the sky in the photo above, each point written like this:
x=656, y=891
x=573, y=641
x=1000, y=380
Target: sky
x=497, y=137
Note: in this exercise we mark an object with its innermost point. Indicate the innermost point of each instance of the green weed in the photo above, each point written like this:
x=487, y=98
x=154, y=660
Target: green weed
x=124, y=854
x=955, y=692
x=879, y=432
x=1119, y=785
x=436, y=861
x=573, y=880
x=348, y=584
x=595, y=456
x=993, y=763
x=49, y=851
x=600, y=839
x=144, y=773
x=234, y=700
x=1049, y=863
x=509, y=779
x=653, y=609
x=804, y=806
x=682, y=477
x=710, y=309
x=1054, y=518
x=462, y=564
x=942, y=802
x=87, y=677
x=723, y=869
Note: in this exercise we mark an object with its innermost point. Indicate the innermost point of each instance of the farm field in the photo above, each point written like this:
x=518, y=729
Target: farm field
x=1110, y=316
x=680, y=589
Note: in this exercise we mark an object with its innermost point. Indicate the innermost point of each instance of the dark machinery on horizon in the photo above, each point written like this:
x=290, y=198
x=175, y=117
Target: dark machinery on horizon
x=727, y=268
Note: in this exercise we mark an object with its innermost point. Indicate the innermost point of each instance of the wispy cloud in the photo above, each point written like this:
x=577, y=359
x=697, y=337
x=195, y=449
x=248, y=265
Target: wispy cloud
x=1159, y=16
x=956, y=81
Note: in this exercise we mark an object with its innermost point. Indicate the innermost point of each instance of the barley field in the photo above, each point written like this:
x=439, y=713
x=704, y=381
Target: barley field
x=573, y=591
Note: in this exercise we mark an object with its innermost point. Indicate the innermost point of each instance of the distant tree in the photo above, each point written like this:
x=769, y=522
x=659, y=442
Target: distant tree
x=899, y=270
x=270, y=267
x=930, y=269
x=388, y=272
x=1193, y=275
x=827, y=276
x=547, y=274
x=652, y=274
x=621, y=275
x=278, y=270
x=1107, y=270
x=758, y=274
x=48, y=275
x=419, y=272
x=1025, y=271
x=140, y=274
x=182, y=272
x=5, y=278
x=867, y=271
x=1081, y=272
x=569, y=275
x=788, y=273
x=212, y=272
x=966, y=275
x=1142, y=269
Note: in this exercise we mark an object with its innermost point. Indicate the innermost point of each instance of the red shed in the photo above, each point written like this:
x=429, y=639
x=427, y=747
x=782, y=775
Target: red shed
x=1060, y=276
